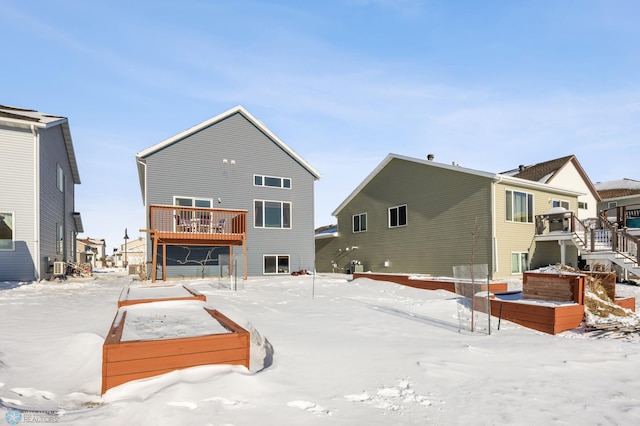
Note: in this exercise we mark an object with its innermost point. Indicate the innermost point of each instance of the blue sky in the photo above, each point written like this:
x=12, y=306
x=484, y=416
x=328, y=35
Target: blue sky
x=486, y=84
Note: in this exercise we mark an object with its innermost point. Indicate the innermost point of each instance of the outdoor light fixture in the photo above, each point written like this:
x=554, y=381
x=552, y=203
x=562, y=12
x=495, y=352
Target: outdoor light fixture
x=126, y=237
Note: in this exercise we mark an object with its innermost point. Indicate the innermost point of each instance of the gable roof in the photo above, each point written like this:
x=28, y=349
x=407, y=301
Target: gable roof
x=618, y=188
x=235, y=110
x=30, y=119
x=546, y=171
x=493, y=176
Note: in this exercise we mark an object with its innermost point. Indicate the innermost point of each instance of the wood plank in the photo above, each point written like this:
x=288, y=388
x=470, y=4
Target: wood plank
x=174, y=362
x=154, y=348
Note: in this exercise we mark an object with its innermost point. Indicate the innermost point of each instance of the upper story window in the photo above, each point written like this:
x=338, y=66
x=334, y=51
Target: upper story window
x=272, y=214
x=612, y=204
x=519, y=207
x=6, y=231
x=582, y=205
x=398, y=216
x=192, y=202
x=272, y=181
x=360, y=222
x=560, y=203
x=60, y=178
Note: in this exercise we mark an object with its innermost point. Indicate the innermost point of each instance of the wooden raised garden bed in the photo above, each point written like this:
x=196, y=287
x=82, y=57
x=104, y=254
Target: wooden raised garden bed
x=149, y=339
x=132, y=295
x=424, y=282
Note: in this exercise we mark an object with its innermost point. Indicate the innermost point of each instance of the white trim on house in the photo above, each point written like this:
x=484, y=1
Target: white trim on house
x=497, y=177
x=237, y=109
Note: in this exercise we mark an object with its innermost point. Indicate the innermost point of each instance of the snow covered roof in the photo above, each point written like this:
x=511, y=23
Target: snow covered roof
x=30, y=119
x=546, y=171
x=493, y=176
x=618, y=188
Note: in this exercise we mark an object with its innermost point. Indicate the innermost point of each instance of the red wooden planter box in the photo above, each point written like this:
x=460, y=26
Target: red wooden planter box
x=154, y=293
x=123, y=361
x=548, y=319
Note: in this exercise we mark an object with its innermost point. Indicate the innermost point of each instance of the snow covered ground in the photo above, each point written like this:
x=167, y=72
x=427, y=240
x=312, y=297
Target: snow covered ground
x=325, y=351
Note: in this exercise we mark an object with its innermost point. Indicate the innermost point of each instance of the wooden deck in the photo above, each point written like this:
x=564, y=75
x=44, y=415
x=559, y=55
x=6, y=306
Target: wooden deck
x=194, y=226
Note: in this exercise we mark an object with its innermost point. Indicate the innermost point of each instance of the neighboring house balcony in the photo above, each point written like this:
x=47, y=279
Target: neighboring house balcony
x=612, y=236
x=197, y=226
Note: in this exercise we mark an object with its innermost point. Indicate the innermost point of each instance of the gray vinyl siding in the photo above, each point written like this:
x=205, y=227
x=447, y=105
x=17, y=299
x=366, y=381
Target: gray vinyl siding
x=17, y=196
x=193, y=167
x=442, y=207
x=55, y=207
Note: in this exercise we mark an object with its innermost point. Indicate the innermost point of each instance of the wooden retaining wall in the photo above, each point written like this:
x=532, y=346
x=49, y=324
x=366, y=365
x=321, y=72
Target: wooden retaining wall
x=132, y=360
x=553, y=287
x=425, y=283
x=548, y=319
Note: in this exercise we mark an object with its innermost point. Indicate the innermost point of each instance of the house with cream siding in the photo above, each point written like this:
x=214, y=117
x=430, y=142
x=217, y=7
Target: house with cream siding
x=419, y=216
x=564, y=172
x=38, y=220
x=227, y=197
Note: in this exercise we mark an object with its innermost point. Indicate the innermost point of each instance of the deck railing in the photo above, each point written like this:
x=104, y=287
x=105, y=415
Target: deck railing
x=596, y=234
x=198, y=224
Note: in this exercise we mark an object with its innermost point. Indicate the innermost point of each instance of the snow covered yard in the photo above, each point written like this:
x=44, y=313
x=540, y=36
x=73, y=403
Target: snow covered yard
x=359, y=352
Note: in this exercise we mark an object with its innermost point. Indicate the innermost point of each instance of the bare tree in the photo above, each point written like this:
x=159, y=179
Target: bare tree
x=201, y=262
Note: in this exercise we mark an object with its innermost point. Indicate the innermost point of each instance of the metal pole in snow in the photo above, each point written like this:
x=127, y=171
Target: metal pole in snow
x=489, y=303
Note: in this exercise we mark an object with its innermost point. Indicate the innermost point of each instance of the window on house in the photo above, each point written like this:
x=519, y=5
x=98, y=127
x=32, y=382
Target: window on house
x=560, y=203
x=612, y=204
x=60, y=179
x=272, y=181
x=59, y=239
x=582, y=205
x=272, y=214
x=192, y=202
x=398, y=216
x=519, y=262
x=360, y=222
x=6, y=231
x=519, y=207
x=276, y=264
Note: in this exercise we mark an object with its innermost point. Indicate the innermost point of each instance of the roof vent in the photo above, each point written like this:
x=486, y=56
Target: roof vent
x=430, y=157
x=521, y=167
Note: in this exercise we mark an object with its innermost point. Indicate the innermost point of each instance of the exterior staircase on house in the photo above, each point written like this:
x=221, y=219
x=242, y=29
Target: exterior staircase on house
x=600, y=240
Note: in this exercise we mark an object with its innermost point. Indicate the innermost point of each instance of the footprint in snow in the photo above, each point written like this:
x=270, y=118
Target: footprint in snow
x=309, y=406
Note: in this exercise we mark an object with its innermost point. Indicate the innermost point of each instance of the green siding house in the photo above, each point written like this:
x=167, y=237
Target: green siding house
x=420, y=216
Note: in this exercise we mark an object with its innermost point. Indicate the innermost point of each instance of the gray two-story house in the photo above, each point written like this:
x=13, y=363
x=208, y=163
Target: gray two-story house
x=38, y=222
x=226, y=197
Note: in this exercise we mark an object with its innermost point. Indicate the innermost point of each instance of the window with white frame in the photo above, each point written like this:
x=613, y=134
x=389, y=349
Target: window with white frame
x=612, y=204
x=7, y=233
x=272, y=181
x=398, y=216
x=519, y=262
x=519, y=206
x=60, y=178
x=360, y=222
x=192, y=202
x=59, y=238
x=560, y=203
x=276, y=264
x=582, y=205
x=271, y=214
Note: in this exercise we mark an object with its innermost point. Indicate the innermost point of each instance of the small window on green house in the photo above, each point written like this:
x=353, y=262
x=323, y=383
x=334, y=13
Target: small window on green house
x=360, y=222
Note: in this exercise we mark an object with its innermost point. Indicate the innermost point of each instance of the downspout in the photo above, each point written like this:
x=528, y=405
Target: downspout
x=494, y=237
x=36, y=205
x=146, y=214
